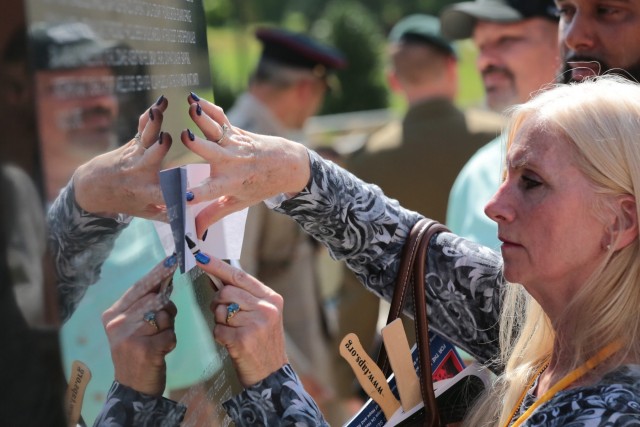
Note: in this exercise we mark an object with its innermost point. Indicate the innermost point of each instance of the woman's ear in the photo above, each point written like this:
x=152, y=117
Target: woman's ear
x=625, y=229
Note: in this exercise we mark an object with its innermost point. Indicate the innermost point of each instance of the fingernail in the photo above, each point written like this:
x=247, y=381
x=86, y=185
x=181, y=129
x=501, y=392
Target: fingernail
x=202, y=258
x=189, y=196
x=190, y=134
x=199, y=110
x=160, y=138
x=169, y=290
x=151, y=113
x=160, y=99
x=171, y=260
x=195, y=97
x=204, y=236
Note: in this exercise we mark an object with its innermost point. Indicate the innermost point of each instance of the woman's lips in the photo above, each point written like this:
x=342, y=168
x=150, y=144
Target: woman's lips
x=508, y=243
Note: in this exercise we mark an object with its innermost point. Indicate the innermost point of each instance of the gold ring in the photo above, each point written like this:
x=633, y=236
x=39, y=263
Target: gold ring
x=150, y=318
x=232, y=310
x=225, y=130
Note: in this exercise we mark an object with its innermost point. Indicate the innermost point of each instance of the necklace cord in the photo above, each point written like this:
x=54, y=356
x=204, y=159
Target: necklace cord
x=564, y=382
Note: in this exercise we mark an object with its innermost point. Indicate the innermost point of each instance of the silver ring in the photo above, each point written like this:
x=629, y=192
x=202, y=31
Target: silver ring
x=150, y=318
x=138, y=138
x=225, y=130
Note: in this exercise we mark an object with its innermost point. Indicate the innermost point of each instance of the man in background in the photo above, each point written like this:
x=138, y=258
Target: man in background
x=417, y=159
x=287, y=87
x=518, y=56
x=76, y=103
x=597, y=39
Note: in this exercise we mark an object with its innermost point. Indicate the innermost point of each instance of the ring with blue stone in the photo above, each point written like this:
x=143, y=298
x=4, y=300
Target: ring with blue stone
x=232, y=310
x=150, y=318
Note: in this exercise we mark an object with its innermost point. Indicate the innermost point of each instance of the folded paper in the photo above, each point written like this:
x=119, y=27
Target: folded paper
x=224, y=238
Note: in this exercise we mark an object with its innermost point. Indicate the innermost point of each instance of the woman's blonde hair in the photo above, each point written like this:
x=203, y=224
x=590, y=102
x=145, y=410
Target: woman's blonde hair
x=600, y=118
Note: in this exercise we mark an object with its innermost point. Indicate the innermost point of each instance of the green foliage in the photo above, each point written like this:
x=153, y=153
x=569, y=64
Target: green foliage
x=350, y=27
x=222, y=12
x=233, y=52
x=218, y=12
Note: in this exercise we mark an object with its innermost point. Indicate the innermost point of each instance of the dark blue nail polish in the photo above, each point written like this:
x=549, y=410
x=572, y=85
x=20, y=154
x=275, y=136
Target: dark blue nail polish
x=198, y=110
x=160, y=99
x=160, y=138
x=202, y=258
x=151, y=113
x=195, y=97
x=195, y=250
x=189, y=196
x=171, y=261
x=204, y=236
x=190, y=134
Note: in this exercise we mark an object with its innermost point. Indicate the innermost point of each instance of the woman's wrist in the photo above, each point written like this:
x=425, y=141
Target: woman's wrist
x=86, y=193
x=301, y=171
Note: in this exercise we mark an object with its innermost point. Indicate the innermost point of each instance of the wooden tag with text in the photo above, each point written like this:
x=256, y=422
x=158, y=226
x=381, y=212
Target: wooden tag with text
x=80, y=376
x=399, y=353
x=368, y=374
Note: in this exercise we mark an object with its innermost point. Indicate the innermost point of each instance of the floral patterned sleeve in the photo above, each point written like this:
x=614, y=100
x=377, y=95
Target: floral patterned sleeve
x=80, y=242
x=127, y=407
x=366, y=229
x=278, y=400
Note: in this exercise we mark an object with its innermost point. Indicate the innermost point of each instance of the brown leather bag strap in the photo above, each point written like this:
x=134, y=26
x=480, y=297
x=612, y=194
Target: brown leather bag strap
x=412, y=271
x=403, y=281
x=432, y=416
x=423, y=229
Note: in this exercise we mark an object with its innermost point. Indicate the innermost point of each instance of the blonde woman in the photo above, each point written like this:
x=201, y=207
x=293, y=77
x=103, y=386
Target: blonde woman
x=555, y=315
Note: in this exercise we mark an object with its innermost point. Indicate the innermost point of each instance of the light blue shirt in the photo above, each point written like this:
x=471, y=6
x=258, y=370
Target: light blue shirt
x=136, y=252
x=475, y=185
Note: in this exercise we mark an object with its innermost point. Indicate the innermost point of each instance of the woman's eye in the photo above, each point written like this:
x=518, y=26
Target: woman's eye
x=608, y=11
x=528, y=183
x=565, y=13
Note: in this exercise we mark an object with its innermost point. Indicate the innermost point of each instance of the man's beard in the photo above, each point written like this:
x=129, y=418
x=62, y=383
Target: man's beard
x=631, y=72
x=504, y=96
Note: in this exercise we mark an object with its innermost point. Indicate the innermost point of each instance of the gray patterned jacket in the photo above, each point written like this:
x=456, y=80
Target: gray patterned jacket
x=80, y=242
x=365, y=229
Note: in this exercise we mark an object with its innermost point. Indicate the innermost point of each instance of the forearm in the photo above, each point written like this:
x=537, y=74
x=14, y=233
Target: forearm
x=126, y=407
x=367, y=230
x=356, y=222
x=279, y=399
x=79, y=243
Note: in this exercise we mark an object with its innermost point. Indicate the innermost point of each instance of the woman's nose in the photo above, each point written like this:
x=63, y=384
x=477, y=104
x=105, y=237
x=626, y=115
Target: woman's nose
x=499, y=208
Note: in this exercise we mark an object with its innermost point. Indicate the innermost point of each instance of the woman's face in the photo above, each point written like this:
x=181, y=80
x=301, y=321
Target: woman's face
x=551, y=239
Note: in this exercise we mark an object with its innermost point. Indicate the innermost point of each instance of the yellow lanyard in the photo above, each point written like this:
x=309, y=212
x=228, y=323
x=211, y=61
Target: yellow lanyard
x=567, y=380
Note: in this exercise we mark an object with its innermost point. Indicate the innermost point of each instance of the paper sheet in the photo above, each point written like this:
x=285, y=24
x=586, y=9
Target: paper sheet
x=224, y=238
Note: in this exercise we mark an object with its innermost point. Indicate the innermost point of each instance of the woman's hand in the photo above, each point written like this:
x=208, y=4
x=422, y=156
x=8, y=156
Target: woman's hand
x=140, y=330
x=246, y=168
x=126, y=179
x=254, y=334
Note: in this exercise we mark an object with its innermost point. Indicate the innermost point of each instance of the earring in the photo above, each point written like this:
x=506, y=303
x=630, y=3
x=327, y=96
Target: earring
x=608, y=247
